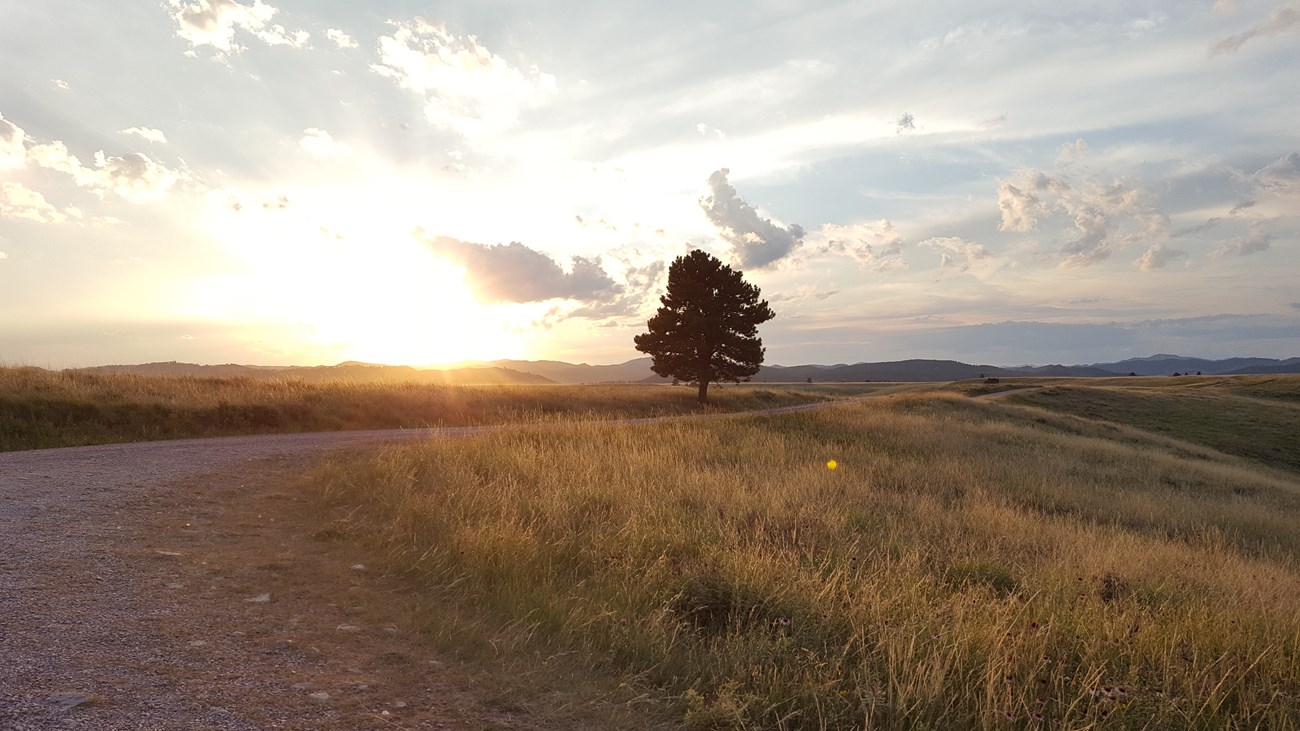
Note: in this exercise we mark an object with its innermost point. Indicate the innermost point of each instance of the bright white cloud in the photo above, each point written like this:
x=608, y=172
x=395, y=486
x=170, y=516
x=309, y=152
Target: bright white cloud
x=756, y=241
x=466, y=87
x=1104, y=213
x=340, y=39
x=13, y=152
x=60, y=84
x=874, y=245
x=145, y=133
x=214, y=22
x=1158, y=256
x=133, y=176
x=20, y=202
x=319, y=144
x=957, y=254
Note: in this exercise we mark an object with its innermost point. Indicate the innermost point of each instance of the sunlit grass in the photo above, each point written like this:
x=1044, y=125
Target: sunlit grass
x=41, y=408
x=967, y=565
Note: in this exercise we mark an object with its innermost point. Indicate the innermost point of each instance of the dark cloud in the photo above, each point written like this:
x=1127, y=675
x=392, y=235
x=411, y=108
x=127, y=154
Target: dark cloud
x=1240, y=207
x=630, y=298
x=1282, y=19
x=515, y=273
x=906, y=122
x=1295, y=305
x=757, y=241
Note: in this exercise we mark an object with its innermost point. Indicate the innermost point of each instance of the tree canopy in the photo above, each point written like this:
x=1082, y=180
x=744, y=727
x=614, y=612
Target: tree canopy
x=706, y=329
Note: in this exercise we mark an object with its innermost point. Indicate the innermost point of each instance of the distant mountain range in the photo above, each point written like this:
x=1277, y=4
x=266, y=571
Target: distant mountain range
x=357, y=372
x=638, y=371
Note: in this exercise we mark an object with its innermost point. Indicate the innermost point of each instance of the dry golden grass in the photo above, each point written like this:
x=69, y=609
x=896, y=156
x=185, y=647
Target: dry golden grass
x=968, y=565
x=41, y=408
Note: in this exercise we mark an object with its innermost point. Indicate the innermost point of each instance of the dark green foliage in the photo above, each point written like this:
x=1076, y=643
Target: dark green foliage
x=706, y=330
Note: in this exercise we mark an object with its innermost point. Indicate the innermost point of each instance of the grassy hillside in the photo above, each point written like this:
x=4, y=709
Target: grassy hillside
x=968, y=564
x=41, y=408
x=1256, y=417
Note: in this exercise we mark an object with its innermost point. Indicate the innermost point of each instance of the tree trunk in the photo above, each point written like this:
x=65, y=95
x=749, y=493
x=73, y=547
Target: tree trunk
x=704, y=392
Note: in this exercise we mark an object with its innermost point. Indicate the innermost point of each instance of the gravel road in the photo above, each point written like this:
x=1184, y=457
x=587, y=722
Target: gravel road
x=109, y=621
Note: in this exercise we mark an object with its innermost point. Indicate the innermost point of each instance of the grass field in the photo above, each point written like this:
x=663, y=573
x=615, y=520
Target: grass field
x=41, y=408
x=1091, y=555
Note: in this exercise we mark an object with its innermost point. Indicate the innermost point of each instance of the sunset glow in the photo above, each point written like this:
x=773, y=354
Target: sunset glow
x=282, y=182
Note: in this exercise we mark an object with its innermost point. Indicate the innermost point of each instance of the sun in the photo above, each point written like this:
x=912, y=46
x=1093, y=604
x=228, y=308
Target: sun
x=379, y=297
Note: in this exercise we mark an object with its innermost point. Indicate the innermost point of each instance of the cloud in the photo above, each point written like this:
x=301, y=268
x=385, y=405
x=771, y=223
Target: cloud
x=13, y=152
x=22, y=203
x=1157, y=256
x=1279, y=178
x=875, y=245
x=145, y=133
x=133, y=176
x=214, y=22
x=756, y=241
x=631, y=297
x=906, y=122
x=319, y=144
x=466, y=87
x=4, y=256
x=959, y=255
x=1295, y=305
x=1283, y=19
x=60, y=84
x=340, y=39
x=1258, y=237
x=515, y=273
x=1104, y=215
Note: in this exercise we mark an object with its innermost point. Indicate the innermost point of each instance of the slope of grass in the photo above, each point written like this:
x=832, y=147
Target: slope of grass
x=1256, y=418
x=40, y=408
x=968, y=565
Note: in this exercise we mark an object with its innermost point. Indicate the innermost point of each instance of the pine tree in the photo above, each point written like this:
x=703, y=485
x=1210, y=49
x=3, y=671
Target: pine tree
x=706, y=330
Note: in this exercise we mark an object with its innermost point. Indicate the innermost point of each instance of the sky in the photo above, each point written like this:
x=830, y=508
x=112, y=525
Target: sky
x=313, y=181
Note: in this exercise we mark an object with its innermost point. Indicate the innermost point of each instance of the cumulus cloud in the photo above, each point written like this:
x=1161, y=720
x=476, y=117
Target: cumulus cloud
x=319, y=144
x=1158, y=256
x=466, y=87
x=874, y=245
x=340, y=39
x=516, y=273
x=133, y=176
x=1280, y=177
x=13, y=151
x=1258, y=237
x=145, y=133
x=1103, y=215
x=20, y=202
x=1285, y=18
x=906, y=122
x=756, y=241
x=958, y=255
x=214, y=22
x=628, y=300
